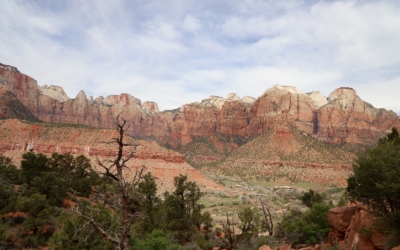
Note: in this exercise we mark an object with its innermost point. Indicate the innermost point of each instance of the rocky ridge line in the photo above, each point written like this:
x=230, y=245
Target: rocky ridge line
x=342, y=118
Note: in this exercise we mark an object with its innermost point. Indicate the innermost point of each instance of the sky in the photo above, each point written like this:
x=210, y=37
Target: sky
x=175, y=52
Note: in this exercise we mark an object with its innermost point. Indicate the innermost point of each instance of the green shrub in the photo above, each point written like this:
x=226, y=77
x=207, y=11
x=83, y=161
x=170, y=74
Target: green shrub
x=376, y=184
x=309, y=198
x=156, y=240
x=308, y=228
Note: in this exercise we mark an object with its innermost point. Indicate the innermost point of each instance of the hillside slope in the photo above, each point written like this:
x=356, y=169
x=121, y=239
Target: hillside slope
x=18, y=137
x=286, y=143
x=286, y=152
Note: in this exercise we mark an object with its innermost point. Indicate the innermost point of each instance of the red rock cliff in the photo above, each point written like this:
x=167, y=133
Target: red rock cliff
x=341, y=118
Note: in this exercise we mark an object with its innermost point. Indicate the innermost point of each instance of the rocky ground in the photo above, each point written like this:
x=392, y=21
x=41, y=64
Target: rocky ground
x=279, y=196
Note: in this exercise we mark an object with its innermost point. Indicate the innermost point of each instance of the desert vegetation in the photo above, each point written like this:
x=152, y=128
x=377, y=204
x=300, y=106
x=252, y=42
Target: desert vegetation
x=47, y=202
x=375, y=183
x=309, y=227
x=58, y=201
x=280, y=153
x=121, y=214
x=54, y=201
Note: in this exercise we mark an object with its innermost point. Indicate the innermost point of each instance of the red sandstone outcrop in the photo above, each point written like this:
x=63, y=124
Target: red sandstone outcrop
x=9, y=67
x=351, y=228
x=339, y=219
x=353, y=225
x=341, y=118
x=346, y=118
x=50, y=104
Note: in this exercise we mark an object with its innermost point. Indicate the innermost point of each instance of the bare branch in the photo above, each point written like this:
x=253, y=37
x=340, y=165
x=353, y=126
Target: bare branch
x=116, y=170
x=268, y=219
x=96, y=226
x=108, y=171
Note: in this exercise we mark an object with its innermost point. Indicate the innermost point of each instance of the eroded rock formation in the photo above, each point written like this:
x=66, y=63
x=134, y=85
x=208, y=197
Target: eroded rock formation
x=18, y=137
x=51, y=104
x=341, y=118
x=352, y=226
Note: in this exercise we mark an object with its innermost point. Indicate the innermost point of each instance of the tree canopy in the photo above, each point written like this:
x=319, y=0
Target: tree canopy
x=310, y=198
x=376, y=183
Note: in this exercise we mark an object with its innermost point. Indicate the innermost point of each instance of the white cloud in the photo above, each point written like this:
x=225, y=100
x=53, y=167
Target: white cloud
x=161, y=50
x=384, y=93
x=191, y=24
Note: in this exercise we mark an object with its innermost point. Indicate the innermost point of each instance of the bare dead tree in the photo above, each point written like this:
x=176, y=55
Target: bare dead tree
x=230, y=234
x=248, y=228
x=126, y=189
x=268, y=218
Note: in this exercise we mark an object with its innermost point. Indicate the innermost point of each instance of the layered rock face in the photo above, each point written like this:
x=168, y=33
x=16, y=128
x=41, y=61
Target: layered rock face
x=352, y=227
x=51, y=104
x=18, y=137
x=341, y=118
x=347, y=118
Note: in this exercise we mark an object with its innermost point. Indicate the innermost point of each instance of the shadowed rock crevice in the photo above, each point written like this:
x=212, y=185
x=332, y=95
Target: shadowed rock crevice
x=315, y=122
x=11, y=107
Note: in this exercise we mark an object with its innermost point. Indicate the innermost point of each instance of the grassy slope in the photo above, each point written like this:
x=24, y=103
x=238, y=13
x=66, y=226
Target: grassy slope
x=291, y=145
x=206, y=150
x=280, y=147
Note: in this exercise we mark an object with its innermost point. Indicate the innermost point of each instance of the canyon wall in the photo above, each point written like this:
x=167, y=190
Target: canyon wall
x=341, y=118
